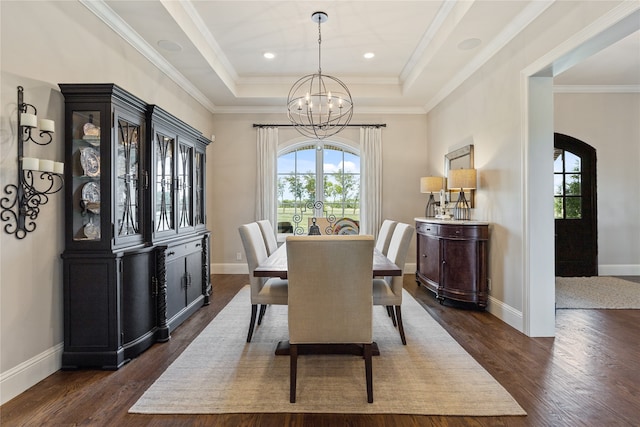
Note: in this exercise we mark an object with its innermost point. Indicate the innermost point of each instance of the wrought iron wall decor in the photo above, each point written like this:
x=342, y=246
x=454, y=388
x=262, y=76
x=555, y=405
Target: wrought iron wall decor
x=319, y=210
x=21, y=203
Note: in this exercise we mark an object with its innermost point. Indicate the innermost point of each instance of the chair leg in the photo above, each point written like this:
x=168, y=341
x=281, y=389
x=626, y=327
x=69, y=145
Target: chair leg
x=389, y=312
x=293, y=371
x=368, y=371
x=263, y=308
x=400, y=327
x=393, y=317
x=254, y=311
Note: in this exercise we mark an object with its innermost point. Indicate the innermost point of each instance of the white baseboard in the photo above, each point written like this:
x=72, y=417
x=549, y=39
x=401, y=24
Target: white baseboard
x=506, y=313
x=229, y=268
x=27, y=374
x=619, y=270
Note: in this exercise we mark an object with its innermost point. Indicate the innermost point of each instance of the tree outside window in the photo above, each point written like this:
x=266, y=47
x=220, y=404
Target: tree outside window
x=308, y=174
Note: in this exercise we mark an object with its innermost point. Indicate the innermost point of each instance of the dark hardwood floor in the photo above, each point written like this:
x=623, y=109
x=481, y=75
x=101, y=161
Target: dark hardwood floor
x=588, y=375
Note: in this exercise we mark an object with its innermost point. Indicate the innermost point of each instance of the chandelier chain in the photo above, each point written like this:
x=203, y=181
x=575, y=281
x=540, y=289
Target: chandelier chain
x=319, y=46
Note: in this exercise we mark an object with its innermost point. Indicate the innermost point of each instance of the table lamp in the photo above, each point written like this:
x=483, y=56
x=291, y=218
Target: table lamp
x=464, y=179
x=429, y=184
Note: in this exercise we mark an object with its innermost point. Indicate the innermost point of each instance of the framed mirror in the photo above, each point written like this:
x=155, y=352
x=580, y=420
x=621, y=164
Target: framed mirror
x=461, y=158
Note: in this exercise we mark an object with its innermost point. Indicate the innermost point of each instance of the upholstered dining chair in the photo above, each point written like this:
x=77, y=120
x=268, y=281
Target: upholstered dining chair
x=384, y=235
x=269, y=235
x=264, y=291
x=330, y=296
x=388, y=291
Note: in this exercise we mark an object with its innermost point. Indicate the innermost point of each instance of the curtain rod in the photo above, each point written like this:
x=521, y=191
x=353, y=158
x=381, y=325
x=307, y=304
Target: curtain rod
x=377, y=125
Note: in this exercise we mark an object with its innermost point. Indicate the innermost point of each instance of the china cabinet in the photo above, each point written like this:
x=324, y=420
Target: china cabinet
x=136, y=261
x=452, y=259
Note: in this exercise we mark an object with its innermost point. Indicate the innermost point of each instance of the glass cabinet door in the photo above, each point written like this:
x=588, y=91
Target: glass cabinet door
x=127, y=172
x=164, y=147
x=185, y=187
x=85, y=174
x=199, y=204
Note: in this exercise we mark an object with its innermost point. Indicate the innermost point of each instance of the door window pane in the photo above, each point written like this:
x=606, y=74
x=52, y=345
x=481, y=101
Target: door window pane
x=567, y=185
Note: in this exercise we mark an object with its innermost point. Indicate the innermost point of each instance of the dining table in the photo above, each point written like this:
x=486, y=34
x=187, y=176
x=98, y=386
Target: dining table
x=276, y=266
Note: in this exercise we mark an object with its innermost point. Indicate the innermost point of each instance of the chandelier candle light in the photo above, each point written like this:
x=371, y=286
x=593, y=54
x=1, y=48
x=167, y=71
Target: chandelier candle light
x=431, y=184
x=319, y=105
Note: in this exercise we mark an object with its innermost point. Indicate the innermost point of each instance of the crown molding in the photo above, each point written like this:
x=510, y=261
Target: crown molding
x=596, y=89
x=117, y=24
x=531, y=12
x=275, y=109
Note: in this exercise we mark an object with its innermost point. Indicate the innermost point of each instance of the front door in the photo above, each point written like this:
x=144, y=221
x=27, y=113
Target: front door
x=575, y=208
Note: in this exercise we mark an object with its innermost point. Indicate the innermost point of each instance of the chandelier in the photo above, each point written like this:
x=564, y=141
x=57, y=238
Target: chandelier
x=319, y=105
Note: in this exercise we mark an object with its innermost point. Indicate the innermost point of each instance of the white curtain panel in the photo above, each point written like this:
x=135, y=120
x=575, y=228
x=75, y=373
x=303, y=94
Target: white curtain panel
x=371, y=180
x=266, y=172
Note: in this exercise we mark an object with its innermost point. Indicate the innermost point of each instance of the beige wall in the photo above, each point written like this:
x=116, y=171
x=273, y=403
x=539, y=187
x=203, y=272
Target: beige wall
x=231, y=175
x=610, y=123
x=489, y=110
x=43, y=44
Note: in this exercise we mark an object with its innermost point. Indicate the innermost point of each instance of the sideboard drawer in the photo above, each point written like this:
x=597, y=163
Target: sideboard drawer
x=463, y=232
x=428, y=229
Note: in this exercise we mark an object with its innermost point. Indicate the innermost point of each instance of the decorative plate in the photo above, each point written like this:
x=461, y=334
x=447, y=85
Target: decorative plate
x=91, y=231
x=346, y=226
x=91, y=192
x=91, y=130
x=90, y=161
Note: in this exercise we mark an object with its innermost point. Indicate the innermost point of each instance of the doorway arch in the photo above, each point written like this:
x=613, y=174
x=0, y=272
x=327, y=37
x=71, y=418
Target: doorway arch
x=575, y=207
x=538, y=306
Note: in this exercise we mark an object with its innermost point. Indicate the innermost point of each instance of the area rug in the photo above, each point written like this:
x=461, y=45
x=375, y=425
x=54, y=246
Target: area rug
x=601, y=292
x=219, y=372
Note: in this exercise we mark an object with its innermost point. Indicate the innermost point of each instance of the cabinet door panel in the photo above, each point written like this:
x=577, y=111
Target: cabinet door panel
x=128, y=167
x=138, y=300
x=459, y=264
x=185, y=187
x=429, y=257
x=194, y=272
x=175, y=287
x=164, y=214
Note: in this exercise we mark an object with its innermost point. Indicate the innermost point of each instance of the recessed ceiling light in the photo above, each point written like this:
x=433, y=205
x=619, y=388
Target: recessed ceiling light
x=170, y=46
x=369, y=55
x=269, y=55
x=469, y=44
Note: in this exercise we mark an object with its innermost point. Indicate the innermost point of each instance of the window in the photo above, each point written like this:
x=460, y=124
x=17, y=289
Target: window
x=317, y=172
x=567, y=175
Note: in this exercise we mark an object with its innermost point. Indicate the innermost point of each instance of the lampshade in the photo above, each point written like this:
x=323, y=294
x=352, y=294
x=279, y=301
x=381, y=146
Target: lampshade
x=431, y=184
x=462, y=178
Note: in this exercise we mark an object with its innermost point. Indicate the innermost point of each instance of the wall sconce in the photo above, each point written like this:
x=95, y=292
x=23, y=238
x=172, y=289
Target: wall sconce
x=463, y=179
x=431, y=184
x=21, y=205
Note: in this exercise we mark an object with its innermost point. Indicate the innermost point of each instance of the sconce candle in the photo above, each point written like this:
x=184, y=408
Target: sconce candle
x=58, y=167
x=28, y=120
x=46, y=165
x=21, y=203
x=30, y=163
x=46, y=125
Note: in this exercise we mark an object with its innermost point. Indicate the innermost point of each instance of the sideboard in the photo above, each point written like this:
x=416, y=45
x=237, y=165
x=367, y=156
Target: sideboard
x=452, y=258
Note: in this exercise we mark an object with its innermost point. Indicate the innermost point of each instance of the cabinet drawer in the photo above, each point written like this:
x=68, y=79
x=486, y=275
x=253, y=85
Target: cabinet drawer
x=463, y=232
x=183, y=249
x=427, y=229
